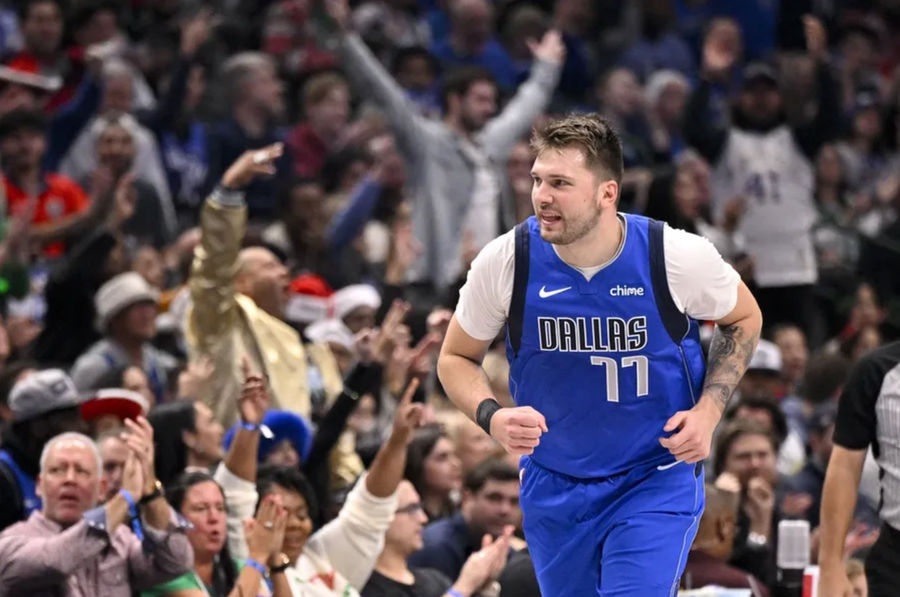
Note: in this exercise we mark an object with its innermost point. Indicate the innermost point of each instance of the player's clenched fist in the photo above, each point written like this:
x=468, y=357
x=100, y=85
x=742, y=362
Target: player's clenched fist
x=693, y=431
x=518, y=429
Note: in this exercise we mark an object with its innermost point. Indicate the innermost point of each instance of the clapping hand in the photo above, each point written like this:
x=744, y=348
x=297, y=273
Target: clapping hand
x=486, y=564
x=265, y=533
x=139, y=440
x=133, y=475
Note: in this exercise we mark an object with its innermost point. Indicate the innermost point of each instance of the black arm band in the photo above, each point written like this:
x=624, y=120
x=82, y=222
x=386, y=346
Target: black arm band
x=484, y=412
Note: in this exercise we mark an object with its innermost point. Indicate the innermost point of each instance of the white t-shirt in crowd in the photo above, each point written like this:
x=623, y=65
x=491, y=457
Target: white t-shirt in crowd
x=701, y=283
x=775, y=179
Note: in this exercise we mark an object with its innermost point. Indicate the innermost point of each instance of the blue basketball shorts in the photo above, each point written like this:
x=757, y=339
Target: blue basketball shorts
x=629, y=534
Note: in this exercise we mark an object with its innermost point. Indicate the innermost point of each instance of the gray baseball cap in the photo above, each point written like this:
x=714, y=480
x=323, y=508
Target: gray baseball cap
x=42, y=392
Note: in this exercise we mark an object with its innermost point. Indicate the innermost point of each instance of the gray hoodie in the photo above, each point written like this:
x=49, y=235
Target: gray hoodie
x=441, y=177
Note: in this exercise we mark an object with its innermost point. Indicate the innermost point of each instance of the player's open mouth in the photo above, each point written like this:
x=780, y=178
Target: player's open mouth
x=550, y=218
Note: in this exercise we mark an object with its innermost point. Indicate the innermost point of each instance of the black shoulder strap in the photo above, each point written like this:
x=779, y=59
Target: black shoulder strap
x=676, y=322
x=520, y=285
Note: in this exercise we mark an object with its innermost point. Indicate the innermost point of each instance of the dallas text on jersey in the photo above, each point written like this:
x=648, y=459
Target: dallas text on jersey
x=597, y=334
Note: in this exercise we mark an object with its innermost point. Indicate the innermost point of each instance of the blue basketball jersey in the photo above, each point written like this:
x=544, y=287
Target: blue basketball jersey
x=606, y=361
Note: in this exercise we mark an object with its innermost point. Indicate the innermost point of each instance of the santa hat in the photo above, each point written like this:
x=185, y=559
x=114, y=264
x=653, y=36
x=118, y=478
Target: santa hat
x=310, y=299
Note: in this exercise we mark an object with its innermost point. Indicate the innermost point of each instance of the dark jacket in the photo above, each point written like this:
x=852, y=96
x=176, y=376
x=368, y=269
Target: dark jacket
x=69, y=321
x=12, y=507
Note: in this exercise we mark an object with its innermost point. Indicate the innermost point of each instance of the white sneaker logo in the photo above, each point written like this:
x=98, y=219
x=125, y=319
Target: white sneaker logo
x=544, y=293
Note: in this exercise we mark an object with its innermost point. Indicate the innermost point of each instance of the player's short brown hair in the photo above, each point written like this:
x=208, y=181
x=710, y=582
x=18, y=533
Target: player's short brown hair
x=589, y=132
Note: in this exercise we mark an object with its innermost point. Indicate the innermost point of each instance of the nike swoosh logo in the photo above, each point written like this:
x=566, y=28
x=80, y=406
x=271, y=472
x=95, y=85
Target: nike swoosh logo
x=544, y=293
x=664, y=467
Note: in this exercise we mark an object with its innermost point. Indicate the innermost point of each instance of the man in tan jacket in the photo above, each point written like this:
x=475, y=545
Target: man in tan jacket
x=239, y=297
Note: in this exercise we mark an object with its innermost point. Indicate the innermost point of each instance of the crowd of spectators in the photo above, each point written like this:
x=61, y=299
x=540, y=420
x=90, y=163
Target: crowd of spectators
x=233, y=234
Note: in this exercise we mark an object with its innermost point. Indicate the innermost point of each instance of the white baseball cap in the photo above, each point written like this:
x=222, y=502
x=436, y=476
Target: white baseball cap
x=766, y=358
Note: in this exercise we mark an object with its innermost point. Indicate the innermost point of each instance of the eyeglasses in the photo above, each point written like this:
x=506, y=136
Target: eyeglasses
x=413, y=508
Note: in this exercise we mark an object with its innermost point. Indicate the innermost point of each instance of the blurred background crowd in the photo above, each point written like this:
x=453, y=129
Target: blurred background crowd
x=132, y=284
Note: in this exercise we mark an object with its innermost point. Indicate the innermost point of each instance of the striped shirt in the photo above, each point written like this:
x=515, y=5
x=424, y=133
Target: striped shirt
x=869, y=414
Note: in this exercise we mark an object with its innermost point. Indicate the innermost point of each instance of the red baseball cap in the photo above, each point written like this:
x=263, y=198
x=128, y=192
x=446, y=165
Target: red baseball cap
x=120, y=402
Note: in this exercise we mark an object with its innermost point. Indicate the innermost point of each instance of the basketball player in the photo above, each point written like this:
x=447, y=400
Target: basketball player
x=615, y=406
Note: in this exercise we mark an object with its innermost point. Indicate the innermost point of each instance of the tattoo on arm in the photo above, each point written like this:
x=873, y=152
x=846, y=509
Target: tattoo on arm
x=729, y=353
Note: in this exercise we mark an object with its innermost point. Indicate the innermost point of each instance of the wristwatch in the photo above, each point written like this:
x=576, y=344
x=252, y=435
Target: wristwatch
x=284, y=563
x=756, y=540
x=156, y=493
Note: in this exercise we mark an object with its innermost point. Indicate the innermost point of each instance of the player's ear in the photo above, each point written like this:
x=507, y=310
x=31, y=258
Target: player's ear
x=607, y=193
